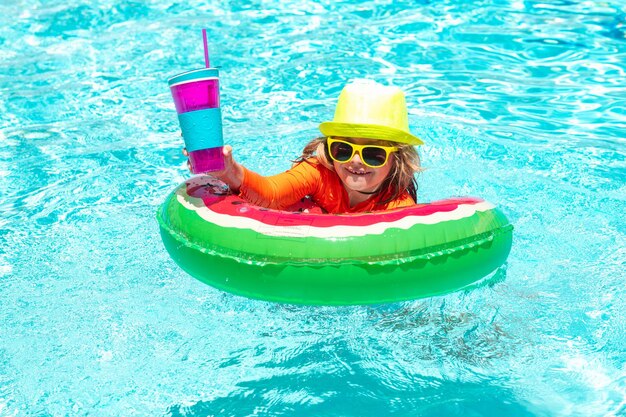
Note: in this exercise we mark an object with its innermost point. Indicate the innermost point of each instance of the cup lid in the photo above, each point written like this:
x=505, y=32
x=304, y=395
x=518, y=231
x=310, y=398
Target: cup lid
x=194, y=75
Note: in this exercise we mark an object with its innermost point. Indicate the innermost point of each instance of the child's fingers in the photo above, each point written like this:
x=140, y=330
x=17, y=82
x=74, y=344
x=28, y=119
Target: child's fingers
x=228, y=155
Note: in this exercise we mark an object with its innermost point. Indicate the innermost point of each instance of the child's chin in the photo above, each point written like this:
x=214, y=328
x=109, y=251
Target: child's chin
x=358, y=185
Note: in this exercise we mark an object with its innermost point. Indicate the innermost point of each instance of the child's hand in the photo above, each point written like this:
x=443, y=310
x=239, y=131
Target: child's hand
x=187, y=155
x=232, y=174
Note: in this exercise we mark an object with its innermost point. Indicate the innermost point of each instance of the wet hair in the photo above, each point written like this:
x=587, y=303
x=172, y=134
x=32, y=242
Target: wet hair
x=406, y=163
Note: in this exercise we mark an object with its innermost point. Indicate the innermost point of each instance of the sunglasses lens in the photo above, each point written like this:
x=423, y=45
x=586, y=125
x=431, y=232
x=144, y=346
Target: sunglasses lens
x=340, y=152
x=374, y=156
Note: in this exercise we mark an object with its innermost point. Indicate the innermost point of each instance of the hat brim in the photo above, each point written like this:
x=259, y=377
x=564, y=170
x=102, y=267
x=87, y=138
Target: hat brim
x=368, y=131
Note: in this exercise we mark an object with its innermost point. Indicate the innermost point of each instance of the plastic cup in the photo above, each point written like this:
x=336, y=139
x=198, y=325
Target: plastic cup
x=196, y=96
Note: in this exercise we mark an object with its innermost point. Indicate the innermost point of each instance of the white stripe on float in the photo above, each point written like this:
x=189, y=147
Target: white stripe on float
x=241, y=222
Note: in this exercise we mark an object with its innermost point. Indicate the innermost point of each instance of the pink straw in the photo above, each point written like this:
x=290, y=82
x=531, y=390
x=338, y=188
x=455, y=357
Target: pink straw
x=206, y=49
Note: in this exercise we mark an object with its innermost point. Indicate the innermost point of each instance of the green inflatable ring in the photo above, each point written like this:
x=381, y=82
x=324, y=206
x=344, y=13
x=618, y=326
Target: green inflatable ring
x=304, y=257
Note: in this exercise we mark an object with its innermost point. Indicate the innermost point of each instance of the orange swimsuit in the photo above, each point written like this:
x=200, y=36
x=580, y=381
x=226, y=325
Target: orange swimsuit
x=311, y=178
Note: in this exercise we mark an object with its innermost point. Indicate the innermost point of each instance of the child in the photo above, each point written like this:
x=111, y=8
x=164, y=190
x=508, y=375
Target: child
x=366, y=160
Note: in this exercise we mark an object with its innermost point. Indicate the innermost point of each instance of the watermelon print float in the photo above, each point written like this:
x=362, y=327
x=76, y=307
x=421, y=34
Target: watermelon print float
x=306, y=257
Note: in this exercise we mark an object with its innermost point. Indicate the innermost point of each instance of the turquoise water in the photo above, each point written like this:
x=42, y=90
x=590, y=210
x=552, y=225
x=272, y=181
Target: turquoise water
x=520, y=102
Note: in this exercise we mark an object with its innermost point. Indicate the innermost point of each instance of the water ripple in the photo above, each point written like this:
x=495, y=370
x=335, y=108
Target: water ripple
x=521, y=102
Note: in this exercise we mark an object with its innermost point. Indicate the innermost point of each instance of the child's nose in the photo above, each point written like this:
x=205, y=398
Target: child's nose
x=357, y=158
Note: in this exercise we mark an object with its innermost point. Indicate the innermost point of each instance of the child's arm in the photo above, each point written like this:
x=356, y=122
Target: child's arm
x=277, y=191
x=282, y=190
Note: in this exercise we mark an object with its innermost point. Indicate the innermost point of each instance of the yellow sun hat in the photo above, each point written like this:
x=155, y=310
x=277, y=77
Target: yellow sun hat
x=367, y=109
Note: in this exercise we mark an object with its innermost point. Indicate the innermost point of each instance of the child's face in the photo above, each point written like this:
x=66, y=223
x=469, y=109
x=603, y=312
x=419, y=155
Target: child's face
x=357, y=176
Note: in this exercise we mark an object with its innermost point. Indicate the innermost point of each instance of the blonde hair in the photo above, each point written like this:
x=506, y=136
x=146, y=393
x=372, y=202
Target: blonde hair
x=401, y=178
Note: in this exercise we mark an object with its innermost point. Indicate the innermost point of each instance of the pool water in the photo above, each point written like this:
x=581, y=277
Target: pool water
x=520, y=102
